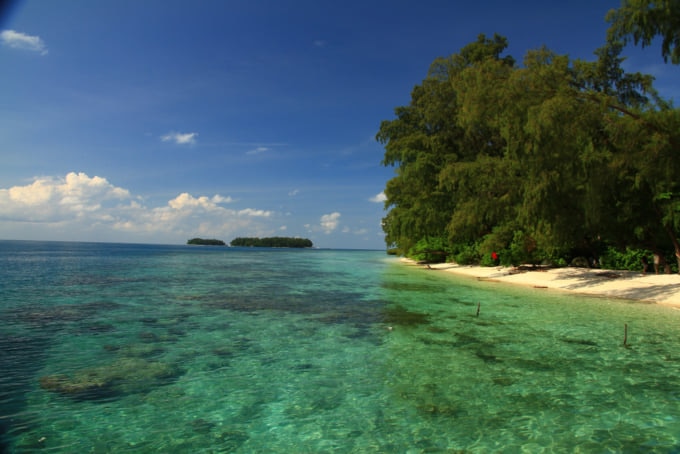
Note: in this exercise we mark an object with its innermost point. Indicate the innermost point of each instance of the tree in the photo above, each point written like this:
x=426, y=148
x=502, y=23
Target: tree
x=421, y=141
x=537, y=160
x=644, y=20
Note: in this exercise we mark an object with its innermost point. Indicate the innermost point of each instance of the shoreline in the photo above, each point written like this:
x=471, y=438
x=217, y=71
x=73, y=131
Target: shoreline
x=648, y=288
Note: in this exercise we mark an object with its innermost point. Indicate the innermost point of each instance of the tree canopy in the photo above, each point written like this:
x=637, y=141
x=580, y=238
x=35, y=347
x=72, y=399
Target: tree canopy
x=644, y=20
x=276, y=241
x=206, y=242
x=542, y=160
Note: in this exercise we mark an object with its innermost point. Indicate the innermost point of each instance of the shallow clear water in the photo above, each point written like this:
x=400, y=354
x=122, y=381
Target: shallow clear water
x=138, y=348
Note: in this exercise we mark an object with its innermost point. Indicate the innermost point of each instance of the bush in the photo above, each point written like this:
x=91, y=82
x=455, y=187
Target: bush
x=431, y=250
x=466, y=255
x=522, y=250
x=630, y=259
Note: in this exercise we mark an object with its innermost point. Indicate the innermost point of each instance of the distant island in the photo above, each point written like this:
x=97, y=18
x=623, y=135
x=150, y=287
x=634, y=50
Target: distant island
x=276, y=241
x=204, y=242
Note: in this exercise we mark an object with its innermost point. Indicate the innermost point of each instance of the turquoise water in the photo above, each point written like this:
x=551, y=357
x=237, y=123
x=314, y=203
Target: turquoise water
x=109, y=348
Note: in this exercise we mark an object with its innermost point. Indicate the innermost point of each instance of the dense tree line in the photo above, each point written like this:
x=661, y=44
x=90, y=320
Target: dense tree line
x=206, y=242
x=276, y=241
x=540, y=161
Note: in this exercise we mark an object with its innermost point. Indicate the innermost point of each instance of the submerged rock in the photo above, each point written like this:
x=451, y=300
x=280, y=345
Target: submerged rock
x=48, y=316
x=399, y=315
x=232, y=439
x=79, y=388
x=123, y=376
x=202, y=426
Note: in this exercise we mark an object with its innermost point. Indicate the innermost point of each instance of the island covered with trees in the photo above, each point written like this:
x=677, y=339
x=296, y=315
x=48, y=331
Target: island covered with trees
x=542, y=161
x=276, y=241
x=206, y=242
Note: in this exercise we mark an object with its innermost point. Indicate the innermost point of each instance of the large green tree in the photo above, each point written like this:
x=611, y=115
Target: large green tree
x=421, y=141
x=535, y=159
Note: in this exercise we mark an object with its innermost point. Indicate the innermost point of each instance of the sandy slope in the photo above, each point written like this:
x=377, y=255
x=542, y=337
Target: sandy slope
x=662, y=288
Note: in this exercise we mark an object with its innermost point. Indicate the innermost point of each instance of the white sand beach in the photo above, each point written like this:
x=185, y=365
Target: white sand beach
x=657, y=288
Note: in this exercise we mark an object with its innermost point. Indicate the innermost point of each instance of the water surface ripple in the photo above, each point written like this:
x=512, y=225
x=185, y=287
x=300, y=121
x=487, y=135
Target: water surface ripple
x=111, y=348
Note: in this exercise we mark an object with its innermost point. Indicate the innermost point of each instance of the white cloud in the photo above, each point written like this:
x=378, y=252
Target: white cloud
x=219, y=199
x=18, y=40
x=48, y=198
x=329, y=222
x=378, y=198
x=186, y=200
x=257, y=150
x=256, y=213
x=319, y=43
x=79, y=207
x=180, y=138
x=294, y=192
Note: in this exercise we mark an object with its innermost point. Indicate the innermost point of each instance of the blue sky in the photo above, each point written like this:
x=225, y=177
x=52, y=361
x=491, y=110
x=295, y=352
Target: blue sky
x=160, y=120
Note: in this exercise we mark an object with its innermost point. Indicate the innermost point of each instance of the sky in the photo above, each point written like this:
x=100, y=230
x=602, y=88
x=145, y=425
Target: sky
x=157, y=121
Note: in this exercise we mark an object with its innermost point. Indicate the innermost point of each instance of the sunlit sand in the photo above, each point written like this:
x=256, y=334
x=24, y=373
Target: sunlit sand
x=656, y=288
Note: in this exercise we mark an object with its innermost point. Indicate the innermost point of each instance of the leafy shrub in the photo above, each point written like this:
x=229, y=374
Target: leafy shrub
x=466, y=255
x=430, y=249
x=630, y=259
x=522, y=249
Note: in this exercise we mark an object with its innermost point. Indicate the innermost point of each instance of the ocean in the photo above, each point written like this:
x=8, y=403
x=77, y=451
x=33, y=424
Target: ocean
x=126, y=348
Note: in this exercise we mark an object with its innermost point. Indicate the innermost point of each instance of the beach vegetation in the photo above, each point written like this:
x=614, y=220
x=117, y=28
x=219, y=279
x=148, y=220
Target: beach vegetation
x=540, y=162
x=431, y=250
x=466, y=254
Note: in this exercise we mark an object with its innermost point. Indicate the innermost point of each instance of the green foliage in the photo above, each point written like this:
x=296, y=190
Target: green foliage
x=627, y=259
x=431, y=250
x=529, y=161
x=276, y=241
x=206, y=242
x=466, y=254
x=644, y=20
x=523, y=249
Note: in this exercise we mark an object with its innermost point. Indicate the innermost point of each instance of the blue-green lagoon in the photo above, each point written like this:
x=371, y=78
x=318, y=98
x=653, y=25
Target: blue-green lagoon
x=115, y=348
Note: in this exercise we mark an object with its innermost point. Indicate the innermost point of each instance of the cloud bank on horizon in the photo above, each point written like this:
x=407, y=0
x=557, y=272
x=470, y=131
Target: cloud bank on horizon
x=77, y=207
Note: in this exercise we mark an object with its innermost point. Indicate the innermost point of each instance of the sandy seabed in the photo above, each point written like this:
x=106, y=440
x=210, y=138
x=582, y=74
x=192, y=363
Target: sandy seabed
x=656, y=288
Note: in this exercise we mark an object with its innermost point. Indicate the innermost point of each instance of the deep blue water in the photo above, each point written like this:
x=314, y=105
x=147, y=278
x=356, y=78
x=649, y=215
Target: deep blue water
x=148, y=348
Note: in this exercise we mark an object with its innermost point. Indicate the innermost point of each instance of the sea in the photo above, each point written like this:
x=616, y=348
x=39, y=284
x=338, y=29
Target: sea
x=131, y=348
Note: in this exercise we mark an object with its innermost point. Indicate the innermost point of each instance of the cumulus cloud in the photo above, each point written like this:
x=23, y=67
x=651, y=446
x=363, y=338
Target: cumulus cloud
x=330, y=222
x=378, y=198
x=255, y=213
x=50, y=198
x=18, y=40
x=81, y=207
x=180, y=138
x=186, y=200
